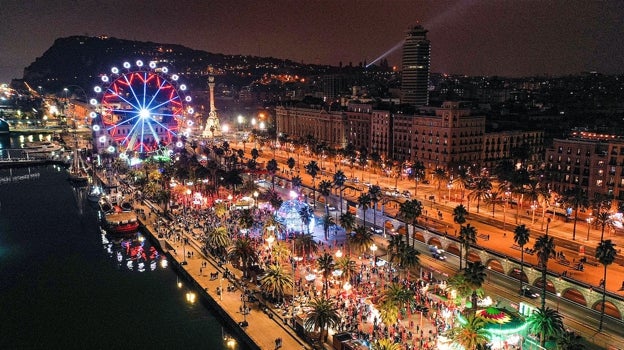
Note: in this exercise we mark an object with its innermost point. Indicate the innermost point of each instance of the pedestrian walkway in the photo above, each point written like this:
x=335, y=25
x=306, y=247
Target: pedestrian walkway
x=262, y=329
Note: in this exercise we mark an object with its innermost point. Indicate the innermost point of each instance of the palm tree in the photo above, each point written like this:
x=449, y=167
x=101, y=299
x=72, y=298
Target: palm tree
x=312, y=169
x=494, y=199
x=570, y=340
x=389, y=313
x=475, y=277
x=545, y=322
x=521, y=237
x=296, y=182
x=605, y=253
x=394, y=244
x=305, y=244
x=272, y=168
x=347, y=266
x=462, y=180
x=281, y=250
x=347, y=221
x=364, y=201
x=306, y=214
x=325, y=190
x=544, y=247
x=290, y=162
x=275, y=282
x=460, y=285
x=374, y=192
x=577, y=199
x=325, y=263
x=323, y=314
x=470, y=335
x=418, y=174
x=603, y=219
x=244, y=252
x=396, y=295
x=339, y=180
x=481, y=192
x=405, y=256
x=361, y=239
x=459, y=214
x=440, y=176
x=385, y=344
x=467, y=237
x=217, y=239
x=328, y=222
x=410, y=211
x=246, y=220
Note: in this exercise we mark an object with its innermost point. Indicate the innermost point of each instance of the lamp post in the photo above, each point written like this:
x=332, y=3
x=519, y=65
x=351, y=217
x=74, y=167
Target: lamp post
x=558, y=298
x=244, y=307
x=240, y=122
x=255, y=194
x=507, y=194
x=221, y=287
x=533, y=207
x=373, y=249
x=589, y=221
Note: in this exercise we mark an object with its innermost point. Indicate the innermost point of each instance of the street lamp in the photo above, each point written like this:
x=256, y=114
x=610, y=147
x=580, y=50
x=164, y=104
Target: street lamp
x=533, y=207
x=244, y=323
x=558, y=298
x=240, y=122
x=339, y=254
x=255, y=194
x=229, y=197
x=589, y=221
x=373, y=249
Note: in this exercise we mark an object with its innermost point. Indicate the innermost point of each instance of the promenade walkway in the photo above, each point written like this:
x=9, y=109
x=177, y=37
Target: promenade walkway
x=262, y=329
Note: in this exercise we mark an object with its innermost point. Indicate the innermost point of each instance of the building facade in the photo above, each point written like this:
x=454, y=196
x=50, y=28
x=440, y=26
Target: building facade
x=593, y=162
x=444, y=137
x=325, y=126
x=415, y=67
x=508, y=145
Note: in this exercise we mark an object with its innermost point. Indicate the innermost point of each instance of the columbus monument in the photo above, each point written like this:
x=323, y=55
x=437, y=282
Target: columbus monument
x=213, y=128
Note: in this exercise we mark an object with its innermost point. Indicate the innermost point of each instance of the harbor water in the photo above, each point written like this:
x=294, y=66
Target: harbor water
x=66, y=285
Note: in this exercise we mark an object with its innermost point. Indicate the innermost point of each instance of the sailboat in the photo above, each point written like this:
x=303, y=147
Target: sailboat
x=78, y=172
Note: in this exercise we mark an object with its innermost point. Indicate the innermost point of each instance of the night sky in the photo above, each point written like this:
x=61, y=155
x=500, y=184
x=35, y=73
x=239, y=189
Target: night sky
x=491, y=37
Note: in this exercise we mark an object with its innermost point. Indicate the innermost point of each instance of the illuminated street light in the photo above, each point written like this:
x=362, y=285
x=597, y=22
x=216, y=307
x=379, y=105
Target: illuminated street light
x=255, y=194
x=373, y=249
x=589, y=221
x=339, y=253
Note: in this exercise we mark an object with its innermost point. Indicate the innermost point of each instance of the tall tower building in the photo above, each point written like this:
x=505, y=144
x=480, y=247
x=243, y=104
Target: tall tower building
x=416, y=62
x=213, y=128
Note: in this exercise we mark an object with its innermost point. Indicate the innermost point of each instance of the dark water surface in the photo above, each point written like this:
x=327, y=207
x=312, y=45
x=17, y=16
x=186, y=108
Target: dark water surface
x=64, y=285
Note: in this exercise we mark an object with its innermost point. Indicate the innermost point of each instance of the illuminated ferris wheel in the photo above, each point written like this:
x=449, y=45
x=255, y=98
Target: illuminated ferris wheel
x=139, y=109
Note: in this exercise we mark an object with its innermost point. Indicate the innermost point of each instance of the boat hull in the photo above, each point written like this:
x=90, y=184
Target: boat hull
x=121, y=228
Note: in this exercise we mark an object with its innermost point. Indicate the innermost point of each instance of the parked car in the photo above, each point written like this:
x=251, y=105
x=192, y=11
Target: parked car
x=527, y=292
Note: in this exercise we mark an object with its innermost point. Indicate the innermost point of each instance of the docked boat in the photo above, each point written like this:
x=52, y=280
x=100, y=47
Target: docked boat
x=78, y=172
x=94, y=194
x=42, y=147
x=120, y=219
